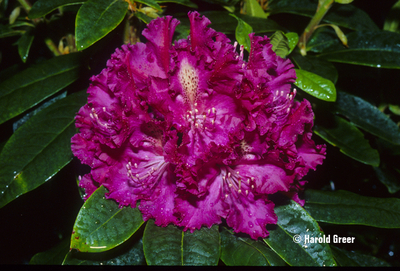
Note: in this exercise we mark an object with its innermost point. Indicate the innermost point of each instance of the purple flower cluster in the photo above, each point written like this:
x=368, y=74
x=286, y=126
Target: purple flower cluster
x=193, y=132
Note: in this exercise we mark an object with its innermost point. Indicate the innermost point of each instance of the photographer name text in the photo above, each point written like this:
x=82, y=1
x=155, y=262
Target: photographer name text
x=325, y=239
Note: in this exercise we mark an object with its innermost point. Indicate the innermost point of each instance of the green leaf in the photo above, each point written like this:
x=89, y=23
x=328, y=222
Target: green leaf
x=244, y=251
x=180, y=2
x=367, y=117
x=346, y=208
x=172, y=246
x=132, y=256
x=368, y=48
x=38, y=149
x=342, y=15
x=8, y=31
x=322, y=40
x=280, y=44
x=392, y=21
x=53, y=256
x=150, y=3
x=388, y=177
x=222, y=22
x=24, y=44
x=316, y=65
x=33, y=85
x=21, y=120
x=143, y=17
x=242, y=33
x=96, y=18
x=344, y=1
x=395, y=109
x=352, y=258
x=316, y=85
x=293, y=39
x=288, y=240
x=2, y=145
x=350, y=140
x=42, y=7
x=253, y=8
x=101, y=225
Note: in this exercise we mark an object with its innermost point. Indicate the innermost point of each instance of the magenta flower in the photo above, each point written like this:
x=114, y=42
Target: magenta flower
x=193, y=132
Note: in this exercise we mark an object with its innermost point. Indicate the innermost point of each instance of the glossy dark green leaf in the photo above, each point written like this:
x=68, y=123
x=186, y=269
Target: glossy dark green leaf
x=369, y=48
x=347, y=208
x=322, y=40
x=101, y=225
x=342, y=15
x=242, y=33
x=31, y=86
x=388, y=177
x=53, y=256
x=42, y=7
x=25, y=117
x=38, y=149
x=150, y=3
x=350, y=140
x=352, y=258
x=172, y=246
x=244, y=251
x=316, y=85
x=280, y=44
x=221, y=21
x=132, y=256
x=96, y=18
x=180, y=2
x=367, y=117
x=253, y=8
x=9, y=72
x=316, y=65
x=392, y=21
x=289, y=239
x=24, y=45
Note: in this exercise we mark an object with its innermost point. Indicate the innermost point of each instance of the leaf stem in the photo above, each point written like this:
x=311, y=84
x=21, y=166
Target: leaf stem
x=53, y=48
x=26, y=5
x=322, y=9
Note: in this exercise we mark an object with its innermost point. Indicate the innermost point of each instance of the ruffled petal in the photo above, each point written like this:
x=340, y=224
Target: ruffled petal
x=205, y=210
x=159, y=34
x=247, y=213
x=161, y=204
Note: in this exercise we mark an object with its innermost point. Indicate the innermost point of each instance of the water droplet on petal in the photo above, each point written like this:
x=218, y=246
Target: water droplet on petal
x=251, y=224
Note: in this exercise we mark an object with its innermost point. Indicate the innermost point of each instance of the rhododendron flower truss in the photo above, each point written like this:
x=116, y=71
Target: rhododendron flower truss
x=194, y=132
